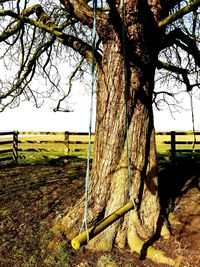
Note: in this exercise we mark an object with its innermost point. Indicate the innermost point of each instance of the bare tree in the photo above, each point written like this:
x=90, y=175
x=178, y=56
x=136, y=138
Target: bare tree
x=29, y=52
x=137, y=41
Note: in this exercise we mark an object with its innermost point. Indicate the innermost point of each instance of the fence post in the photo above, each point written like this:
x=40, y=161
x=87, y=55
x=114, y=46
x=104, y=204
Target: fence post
x=67, y=142
x=15, y=146
x=173, y=147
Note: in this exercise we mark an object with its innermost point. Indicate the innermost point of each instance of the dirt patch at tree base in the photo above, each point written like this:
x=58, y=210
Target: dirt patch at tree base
x=34, y=197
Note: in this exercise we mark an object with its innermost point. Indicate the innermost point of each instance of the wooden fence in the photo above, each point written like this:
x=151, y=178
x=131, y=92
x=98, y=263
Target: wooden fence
x=11, y=144
x=72, y=141
x=175, y=144
x=43, y=143
x=22, y=142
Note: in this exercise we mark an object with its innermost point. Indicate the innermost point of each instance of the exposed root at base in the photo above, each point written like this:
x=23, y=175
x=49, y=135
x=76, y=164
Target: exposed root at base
x=58, y=248
x=156, y=255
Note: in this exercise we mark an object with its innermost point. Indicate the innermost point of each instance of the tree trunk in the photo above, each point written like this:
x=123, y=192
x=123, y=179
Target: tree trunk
x=119, y=101
x=109, y=188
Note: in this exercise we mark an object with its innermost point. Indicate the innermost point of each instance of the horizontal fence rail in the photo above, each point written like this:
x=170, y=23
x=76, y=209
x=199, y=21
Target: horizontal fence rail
x=5, y=133
x=174, y=143
x=16, y=145
x=11, y=152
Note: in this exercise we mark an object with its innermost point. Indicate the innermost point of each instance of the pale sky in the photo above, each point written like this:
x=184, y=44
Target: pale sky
x=28, y=118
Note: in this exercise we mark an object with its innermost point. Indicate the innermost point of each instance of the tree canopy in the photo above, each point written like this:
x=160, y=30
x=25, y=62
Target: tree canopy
x=39, y=36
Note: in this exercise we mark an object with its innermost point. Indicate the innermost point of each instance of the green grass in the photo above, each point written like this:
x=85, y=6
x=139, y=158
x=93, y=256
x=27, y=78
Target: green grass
x=45, y=152
x=32, y=198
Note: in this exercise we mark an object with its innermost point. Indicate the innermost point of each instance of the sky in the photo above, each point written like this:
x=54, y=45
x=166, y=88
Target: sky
x=28, y=118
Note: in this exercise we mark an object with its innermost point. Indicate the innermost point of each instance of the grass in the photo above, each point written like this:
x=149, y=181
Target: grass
x=35, y=149
x=34, y=197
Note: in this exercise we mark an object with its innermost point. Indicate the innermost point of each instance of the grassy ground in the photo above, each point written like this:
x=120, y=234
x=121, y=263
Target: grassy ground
x=34, y=197
x=40, y=151
x=42, y=148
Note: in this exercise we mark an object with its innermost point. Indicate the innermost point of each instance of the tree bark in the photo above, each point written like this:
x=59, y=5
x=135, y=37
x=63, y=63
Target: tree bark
x=109, y=187
x=119, y=99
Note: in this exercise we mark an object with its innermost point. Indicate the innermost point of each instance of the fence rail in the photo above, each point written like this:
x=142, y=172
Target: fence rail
x=22, y=142
x=5, y=133
x=13, y=136
x=174, y=143
x=5, y=151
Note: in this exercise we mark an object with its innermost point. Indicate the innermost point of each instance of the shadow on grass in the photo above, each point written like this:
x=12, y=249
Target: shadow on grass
x=176, y=179
x=32, y=197
x=37, y=194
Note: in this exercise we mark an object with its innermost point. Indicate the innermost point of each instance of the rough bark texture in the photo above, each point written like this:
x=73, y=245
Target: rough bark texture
x=109, y=188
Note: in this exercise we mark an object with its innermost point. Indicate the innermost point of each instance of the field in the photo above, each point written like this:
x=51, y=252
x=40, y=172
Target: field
x=188, y=138
x=43, y=148
x=33, y=196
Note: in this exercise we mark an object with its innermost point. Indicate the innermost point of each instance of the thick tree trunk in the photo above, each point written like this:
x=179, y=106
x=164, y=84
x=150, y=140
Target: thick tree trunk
x=110, y=187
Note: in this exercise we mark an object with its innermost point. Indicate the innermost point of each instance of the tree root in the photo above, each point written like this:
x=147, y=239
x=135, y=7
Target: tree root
x=156, y=255
x=104, y=242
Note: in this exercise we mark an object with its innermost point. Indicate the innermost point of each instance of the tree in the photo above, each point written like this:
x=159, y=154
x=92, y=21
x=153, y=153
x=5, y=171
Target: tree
x=135, y=40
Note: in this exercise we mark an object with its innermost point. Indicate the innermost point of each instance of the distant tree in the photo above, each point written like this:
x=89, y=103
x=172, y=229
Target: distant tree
x=137, y=41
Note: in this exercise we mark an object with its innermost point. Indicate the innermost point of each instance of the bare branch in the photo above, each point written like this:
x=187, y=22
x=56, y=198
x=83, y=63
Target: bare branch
x=84, y=13
x=57, y=108
x=48, y=26
x=183, y=72
x=30, y=67
x=9, y=32
x=184, y=41
x=193, y=5
x=34, y=25
x=170, y=67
